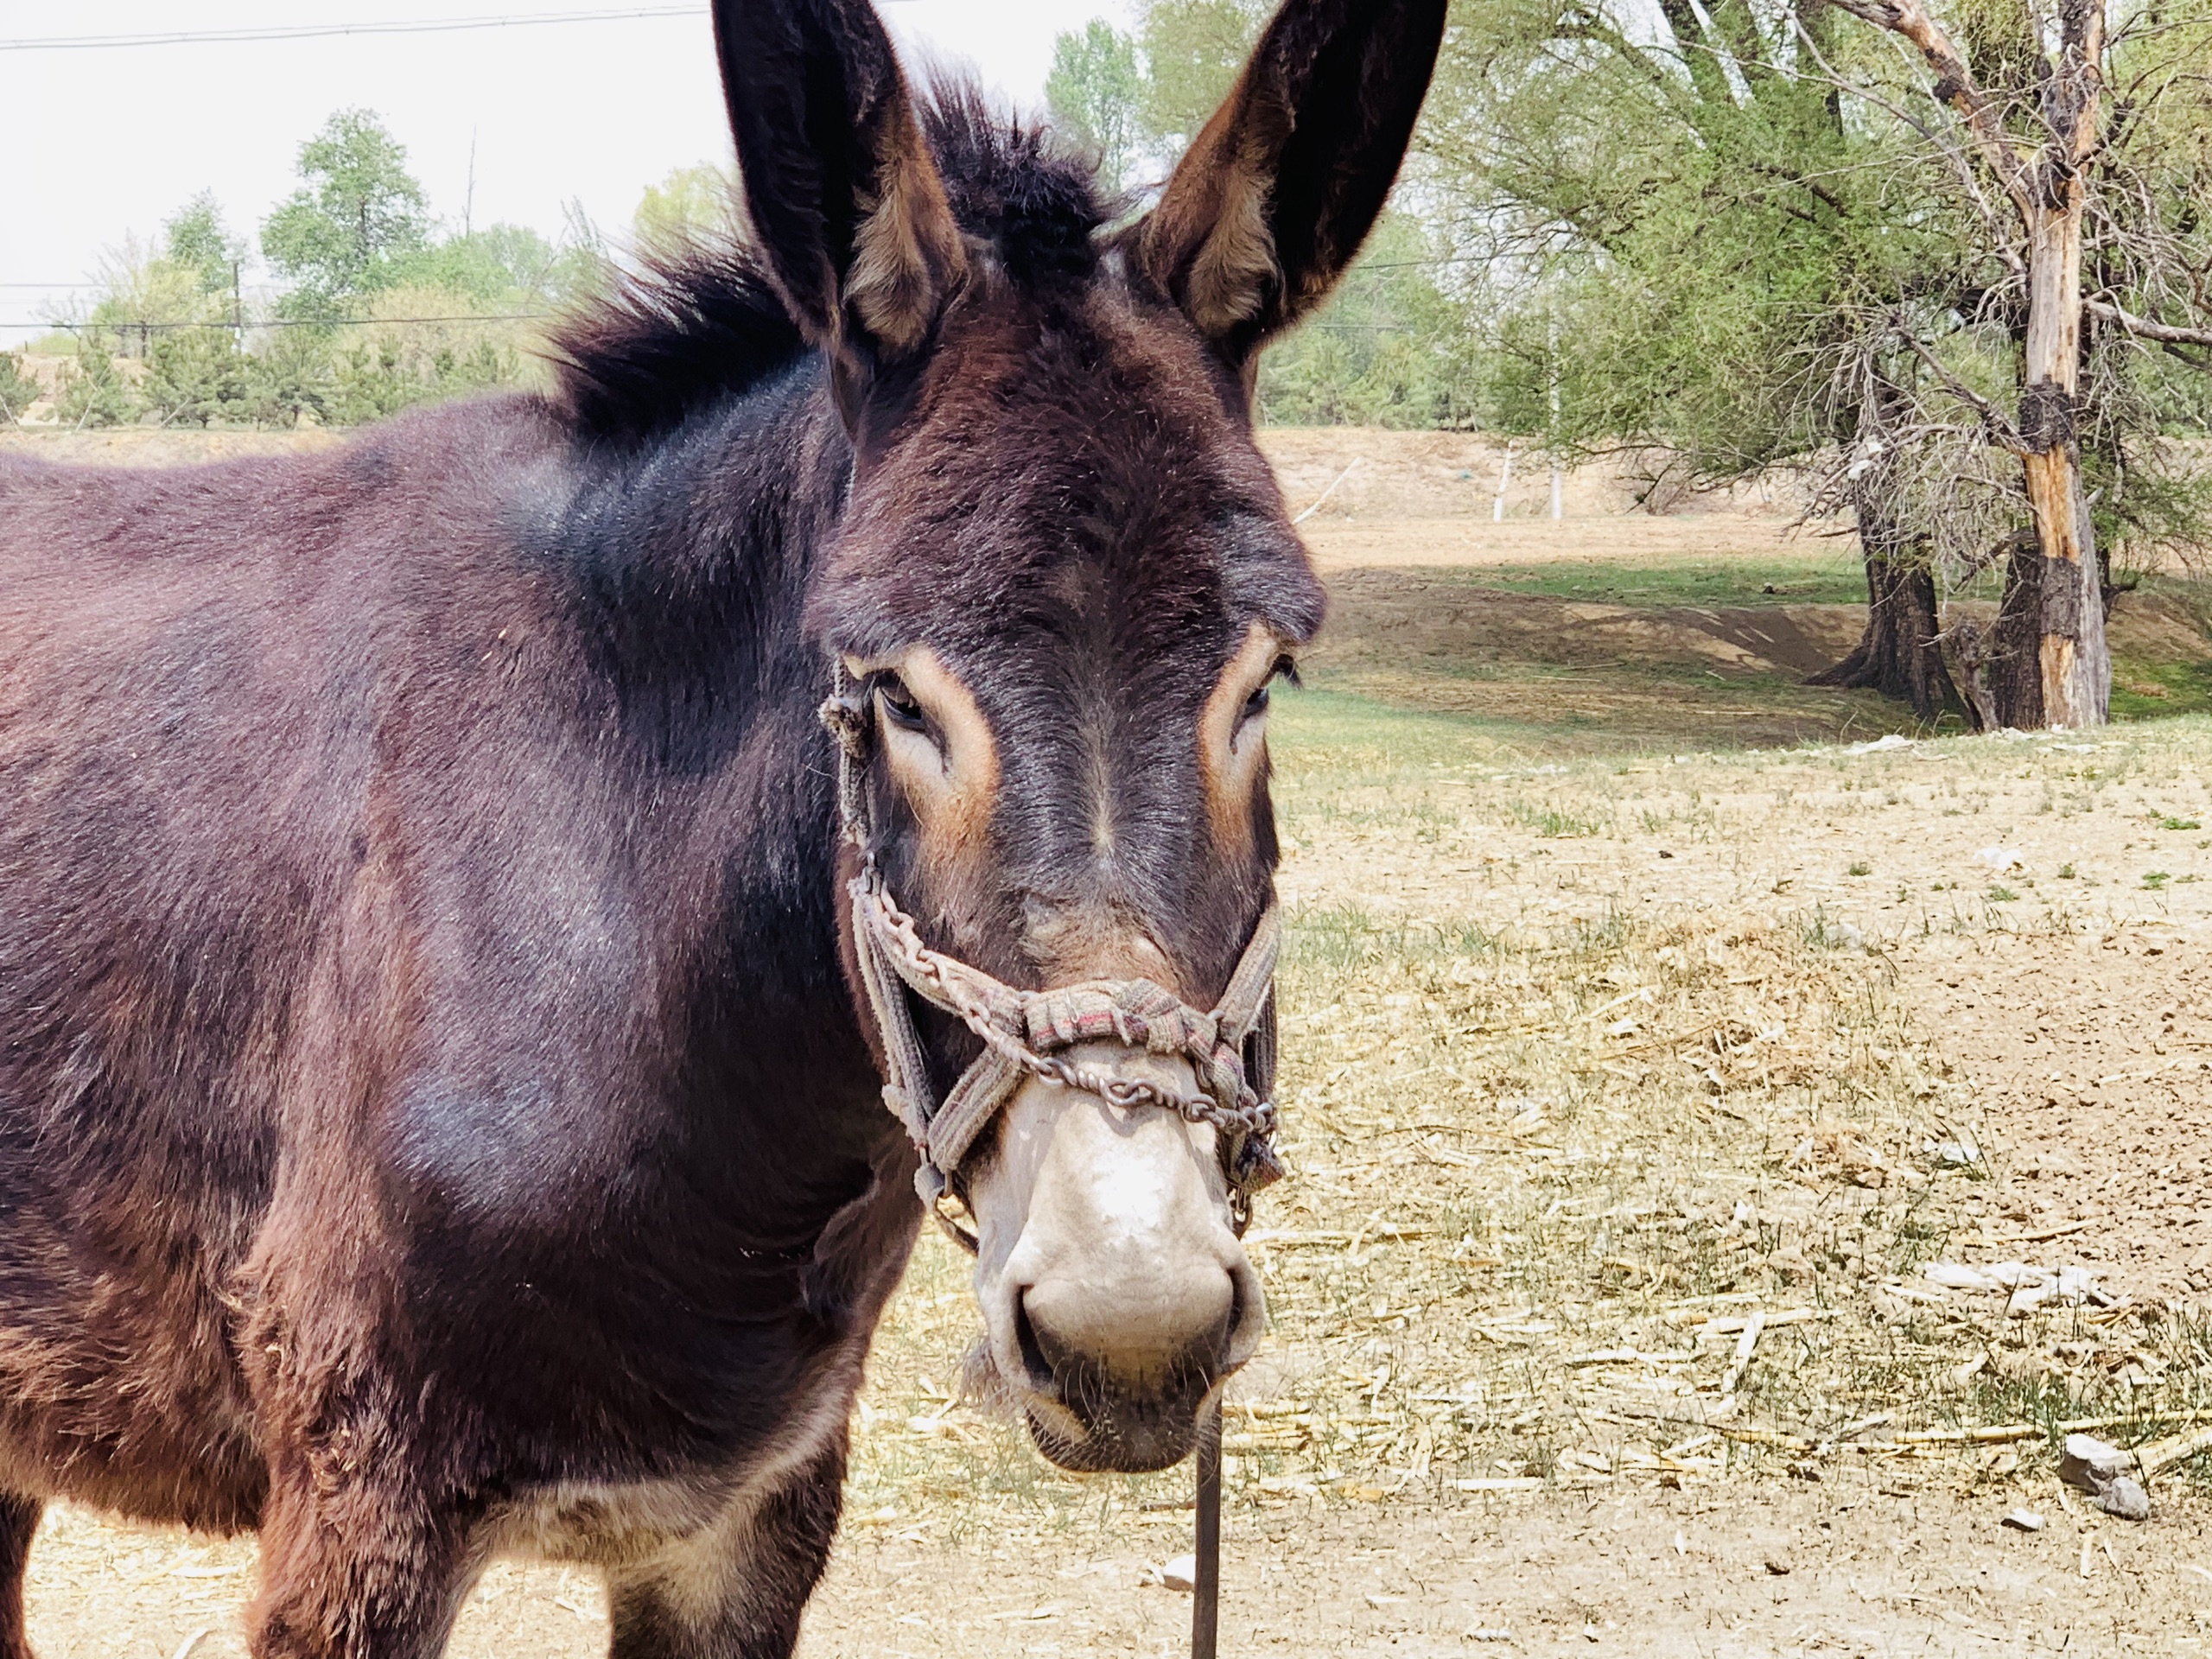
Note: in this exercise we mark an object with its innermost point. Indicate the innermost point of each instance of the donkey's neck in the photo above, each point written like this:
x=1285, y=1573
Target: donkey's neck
x=689, y=555
x=688, y=562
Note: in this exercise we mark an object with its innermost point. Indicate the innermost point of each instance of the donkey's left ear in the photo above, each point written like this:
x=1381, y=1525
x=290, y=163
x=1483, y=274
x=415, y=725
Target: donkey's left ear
x=1278, y=192
x=846, y=204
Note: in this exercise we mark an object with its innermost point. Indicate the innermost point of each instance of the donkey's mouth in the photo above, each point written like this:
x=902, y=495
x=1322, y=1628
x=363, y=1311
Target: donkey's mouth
x=1122, y=1437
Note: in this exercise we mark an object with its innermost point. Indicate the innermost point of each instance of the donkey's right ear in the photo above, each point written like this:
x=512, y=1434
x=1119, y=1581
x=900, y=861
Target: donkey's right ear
x=845, y=200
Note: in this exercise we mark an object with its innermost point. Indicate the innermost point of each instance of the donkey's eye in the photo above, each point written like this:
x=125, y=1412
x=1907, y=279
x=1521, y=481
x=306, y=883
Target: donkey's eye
x=1257, y=704
x=899, y=705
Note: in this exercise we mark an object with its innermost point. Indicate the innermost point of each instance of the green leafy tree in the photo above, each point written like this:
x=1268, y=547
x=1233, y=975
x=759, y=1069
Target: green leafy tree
x=1193, y=50
x=1096, y=95
x=1688, y=244
x=143, y=294
x=358, y=220
x=1389, y=349
x=198, y=377
x=691, y=204
x=1734, y=233
x=508, y=268
x=195, y=241
x=289, y=378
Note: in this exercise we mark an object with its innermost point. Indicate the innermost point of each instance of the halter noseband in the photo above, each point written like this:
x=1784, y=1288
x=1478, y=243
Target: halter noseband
x=1025, y=1033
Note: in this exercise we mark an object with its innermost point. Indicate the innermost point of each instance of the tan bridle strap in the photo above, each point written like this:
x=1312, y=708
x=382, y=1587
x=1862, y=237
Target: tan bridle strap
x=906, y=1088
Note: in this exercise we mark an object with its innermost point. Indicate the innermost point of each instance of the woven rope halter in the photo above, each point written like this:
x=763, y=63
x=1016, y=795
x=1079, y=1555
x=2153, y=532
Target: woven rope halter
x=1026, y=1033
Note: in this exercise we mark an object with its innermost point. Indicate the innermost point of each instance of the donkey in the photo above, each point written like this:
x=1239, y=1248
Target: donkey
x=446, y=989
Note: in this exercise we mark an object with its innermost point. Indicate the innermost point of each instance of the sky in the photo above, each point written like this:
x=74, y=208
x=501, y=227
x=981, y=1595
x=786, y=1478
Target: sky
x=113, y=140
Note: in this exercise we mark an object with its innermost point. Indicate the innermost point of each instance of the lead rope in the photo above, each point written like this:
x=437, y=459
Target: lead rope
x=1205, y=1583
x=1230, y=1049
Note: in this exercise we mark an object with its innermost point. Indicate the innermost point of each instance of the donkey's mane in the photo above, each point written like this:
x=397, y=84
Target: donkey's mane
x=702, y=322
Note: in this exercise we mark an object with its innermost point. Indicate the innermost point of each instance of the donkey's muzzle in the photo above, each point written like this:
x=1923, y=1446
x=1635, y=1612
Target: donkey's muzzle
x=1087, y=1414
x=1116, y=1294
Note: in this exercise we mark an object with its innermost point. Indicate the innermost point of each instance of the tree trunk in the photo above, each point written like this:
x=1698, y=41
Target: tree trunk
x=2074, y=664
x=1899, y=655
x=2013, y=668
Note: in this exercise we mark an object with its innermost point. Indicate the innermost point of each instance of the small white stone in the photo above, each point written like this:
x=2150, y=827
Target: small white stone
x=1180, y=1572
x=2023, y=1521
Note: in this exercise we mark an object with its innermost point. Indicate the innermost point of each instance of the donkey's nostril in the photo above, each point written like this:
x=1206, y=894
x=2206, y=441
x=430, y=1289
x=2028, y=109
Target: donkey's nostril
x=1034, y=1358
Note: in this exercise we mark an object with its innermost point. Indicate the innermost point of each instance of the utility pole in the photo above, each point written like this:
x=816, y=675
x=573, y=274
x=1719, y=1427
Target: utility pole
x=238, y=308
x=1551, y=362
x=468, y=201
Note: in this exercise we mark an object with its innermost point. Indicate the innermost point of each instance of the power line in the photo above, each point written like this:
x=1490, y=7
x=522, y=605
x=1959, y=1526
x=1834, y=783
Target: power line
x=318, y=31
x=135, y=327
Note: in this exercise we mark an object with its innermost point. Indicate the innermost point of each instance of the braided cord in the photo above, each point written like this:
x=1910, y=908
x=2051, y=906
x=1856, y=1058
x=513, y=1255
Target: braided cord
x=940, y=979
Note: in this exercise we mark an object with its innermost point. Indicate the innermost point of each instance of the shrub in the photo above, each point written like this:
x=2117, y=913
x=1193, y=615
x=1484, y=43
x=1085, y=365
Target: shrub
x=197, y=376
x=18, y=390
x=94, y=390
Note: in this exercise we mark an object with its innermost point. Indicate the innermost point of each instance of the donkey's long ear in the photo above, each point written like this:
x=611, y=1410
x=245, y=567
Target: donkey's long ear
x=844, y=199
x=1281, y=188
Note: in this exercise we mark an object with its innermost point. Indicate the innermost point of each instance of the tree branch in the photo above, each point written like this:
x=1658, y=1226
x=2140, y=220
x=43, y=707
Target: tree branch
x=1993, y=419
x=2145, y=329
x=1999, y=243
x=1955, y=86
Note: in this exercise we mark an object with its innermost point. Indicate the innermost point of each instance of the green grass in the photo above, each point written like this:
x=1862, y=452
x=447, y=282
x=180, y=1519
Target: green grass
x=1822, y=578
x=2186, y=688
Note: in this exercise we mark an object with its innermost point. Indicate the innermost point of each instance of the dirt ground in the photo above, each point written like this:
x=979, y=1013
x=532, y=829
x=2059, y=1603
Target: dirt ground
x=1781, y=1024
x=1866, y=1571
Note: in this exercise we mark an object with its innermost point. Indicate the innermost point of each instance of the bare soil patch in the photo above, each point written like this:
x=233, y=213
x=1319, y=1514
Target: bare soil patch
x=146, y=445
x=2091, y=1051
x=1922, y=1566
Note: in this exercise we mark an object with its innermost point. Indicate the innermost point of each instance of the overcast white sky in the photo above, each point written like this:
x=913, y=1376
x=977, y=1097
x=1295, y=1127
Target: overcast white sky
x=113, y=140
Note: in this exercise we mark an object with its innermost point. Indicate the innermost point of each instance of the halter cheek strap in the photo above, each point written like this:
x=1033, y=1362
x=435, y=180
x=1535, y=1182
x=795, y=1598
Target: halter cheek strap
x=1027, y=1033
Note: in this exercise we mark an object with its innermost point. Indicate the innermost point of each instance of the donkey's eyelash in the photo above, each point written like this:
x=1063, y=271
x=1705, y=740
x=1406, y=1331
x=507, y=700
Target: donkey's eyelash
x=900, y=705
x=1257, y=704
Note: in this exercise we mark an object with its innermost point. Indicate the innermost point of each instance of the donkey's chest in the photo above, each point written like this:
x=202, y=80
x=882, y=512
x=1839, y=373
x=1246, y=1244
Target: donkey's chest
x=702, y=1512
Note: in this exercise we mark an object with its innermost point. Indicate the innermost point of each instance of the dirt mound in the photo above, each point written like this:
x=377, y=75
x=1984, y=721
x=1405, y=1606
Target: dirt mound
x=1373, y=473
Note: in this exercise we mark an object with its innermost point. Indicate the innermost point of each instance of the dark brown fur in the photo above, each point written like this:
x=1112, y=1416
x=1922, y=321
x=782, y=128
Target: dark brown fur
x=434, y=1119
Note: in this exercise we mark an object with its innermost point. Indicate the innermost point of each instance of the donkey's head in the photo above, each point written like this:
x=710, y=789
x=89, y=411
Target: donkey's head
x=1062, y=586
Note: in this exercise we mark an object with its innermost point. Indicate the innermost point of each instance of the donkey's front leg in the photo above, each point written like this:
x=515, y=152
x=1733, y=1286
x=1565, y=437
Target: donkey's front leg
x=18, y=1520
x=356, y=1564
x=737, y=1591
